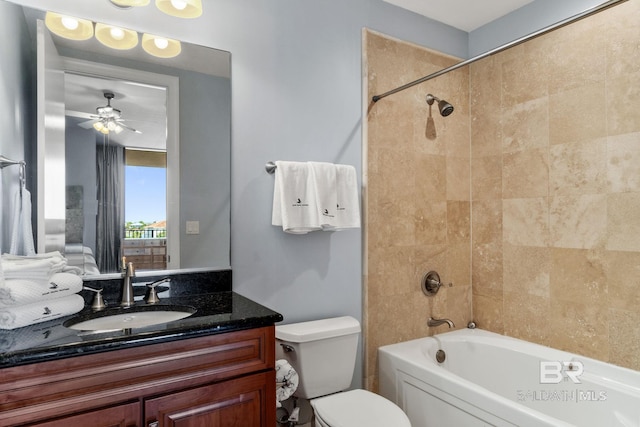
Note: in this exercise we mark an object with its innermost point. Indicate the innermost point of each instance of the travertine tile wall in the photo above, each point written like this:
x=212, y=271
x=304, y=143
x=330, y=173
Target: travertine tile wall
x=417, y=197
x=546, y=138
x=555, y=143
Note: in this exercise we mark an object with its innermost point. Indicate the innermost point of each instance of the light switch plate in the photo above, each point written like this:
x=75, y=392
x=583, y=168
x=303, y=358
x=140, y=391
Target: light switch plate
x=193, y=227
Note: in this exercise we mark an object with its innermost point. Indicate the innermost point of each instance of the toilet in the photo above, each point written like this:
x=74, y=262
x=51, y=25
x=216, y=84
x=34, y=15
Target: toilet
x=323, y=353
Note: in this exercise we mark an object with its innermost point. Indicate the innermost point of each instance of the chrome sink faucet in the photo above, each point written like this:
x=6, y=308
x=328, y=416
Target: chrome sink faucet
x=438, y=322
x=128, y=272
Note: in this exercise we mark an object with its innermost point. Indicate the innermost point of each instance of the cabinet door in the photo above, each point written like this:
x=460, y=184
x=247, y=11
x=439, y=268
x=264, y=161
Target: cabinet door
x=234, y=403
x=127, y=415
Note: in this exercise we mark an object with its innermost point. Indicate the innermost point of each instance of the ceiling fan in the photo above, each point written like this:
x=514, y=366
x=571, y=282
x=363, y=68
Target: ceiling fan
x=107, y=118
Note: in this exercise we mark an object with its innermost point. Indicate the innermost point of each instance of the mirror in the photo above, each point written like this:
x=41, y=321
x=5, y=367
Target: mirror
x=181, y=108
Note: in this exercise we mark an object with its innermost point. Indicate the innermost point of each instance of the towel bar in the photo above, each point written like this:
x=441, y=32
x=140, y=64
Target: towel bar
x=270, y=167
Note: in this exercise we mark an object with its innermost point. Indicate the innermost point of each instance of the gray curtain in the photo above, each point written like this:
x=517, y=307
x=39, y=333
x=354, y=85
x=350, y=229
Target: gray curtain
x=110, y=219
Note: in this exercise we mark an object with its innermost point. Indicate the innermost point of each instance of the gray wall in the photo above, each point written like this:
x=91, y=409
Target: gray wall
x=526, y=20
x=16, y=118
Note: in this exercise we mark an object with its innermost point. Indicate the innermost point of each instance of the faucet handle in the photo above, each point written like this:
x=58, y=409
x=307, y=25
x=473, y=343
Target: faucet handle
x=131, y=271
x=98, y=301
x=152, y=295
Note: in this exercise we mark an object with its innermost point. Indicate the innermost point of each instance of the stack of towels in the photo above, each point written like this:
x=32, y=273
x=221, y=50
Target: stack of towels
x=37, y=288
x=313, y=196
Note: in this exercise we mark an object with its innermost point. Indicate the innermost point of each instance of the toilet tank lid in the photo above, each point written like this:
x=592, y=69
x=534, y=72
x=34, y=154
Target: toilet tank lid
x=318, y=329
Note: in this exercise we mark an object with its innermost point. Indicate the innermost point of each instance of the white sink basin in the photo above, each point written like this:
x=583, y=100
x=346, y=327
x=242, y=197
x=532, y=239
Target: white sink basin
x=127, y=318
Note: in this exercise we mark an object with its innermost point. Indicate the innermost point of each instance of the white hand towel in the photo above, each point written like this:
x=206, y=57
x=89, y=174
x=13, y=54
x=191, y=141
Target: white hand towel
x=294, y=203
x=324, y=180
x=37, y=312
x=19, y=291
x=21, y=232
x=348, y=205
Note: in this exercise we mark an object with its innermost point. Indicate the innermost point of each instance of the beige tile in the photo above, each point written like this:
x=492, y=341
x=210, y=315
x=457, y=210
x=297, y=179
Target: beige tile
x=458, y=264
x=486, y=177
x=488, y=312
x=525, y=222
x=458, y=222
x=623, y=162
x=524, y=77
x=526, y=270
x=623, y=280
x=430, y=223
x=524, y=126
x=623, y=103
x=578, y=221
x=429, y=173
x=622, y=35
x=623, y=222
x=458, y=178
x=487, y=268
x=578, y=168
x=624, y=338
x=487, y=221
x=579, y=276
x=579, y=328
x=577, y=115
x=525, y=174
x=526, y=317
x=390, y=271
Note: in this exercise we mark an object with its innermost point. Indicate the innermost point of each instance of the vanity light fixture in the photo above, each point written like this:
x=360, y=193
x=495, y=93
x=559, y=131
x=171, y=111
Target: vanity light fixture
x=177, y=8
x=161, y=47
x=68, y=26
x=130, y=3
x=181, y=8
x=116, y=37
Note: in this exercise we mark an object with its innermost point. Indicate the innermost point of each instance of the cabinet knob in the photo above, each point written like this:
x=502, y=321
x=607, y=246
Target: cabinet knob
x=154, y=424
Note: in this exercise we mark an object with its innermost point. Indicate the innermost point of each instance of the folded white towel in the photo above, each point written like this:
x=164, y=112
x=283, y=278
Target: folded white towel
x=37, y=312
x=294, y=200
x=324, y=183
x=38, y=267
x=20, y=291
x=348, y=205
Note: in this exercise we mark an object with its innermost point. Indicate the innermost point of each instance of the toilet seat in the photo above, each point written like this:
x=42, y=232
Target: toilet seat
x=358, y=408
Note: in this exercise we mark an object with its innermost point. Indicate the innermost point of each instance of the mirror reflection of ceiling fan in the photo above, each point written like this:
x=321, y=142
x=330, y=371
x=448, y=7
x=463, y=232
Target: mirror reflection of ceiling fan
x=107, y=118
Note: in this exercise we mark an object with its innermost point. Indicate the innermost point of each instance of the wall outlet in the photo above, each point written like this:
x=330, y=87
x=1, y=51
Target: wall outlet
x=193, y=227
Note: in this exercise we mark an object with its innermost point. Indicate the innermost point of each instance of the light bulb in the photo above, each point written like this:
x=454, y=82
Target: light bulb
x=104, y=131
x=69, y=23
x=98, y=126
x=161, y=43
x=117, y=33
x=111, y=125
x=179, y=4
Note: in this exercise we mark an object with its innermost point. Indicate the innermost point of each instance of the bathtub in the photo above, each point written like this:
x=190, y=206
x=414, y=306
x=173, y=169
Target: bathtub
x=489, y=379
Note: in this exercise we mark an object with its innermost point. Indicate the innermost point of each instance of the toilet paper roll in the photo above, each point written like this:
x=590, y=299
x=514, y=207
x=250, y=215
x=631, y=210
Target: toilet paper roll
x=286, y=381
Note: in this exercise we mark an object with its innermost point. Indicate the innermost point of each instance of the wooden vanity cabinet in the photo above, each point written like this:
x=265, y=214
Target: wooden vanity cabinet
x=224, y=380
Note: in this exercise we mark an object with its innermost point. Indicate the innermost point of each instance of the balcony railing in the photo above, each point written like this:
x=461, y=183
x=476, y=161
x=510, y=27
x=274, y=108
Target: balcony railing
x=145, y=233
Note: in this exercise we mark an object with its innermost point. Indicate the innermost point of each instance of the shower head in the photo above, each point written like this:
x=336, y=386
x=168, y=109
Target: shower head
x=444, y=107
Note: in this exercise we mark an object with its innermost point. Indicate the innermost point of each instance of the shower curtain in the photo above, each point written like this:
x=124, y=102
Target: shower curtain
x=110, y=219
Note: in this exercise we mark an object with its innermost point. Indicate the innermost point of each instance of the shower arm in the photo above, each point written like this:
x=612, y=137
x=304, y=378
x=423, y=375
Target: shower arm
x=505, y=46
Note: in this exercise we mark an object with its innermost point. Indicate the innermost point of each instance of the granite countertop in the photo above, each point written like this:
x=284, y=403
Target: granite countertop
x=216, y=312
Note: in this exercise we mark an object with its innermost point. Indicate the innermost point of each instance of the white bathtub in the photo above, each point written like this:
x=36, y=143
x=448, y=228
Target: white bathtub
x=489, y=379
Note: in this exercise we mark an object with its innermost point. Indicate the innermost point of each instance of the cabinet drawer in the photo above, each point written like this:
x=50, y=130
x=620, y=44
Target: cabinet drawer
x=127, y=415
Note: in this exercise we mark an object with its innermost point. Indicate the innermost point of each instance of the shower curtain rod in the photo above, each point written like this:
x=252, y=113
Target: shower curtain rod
x=505, y=46
x=5, y=161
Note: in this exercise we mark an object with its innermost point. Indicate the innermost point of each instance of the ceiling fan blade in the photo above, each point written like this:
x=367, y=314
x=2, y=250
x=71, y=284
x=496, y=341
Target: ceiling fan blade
x=88, y=124
x=80, y=114
x=129, y=128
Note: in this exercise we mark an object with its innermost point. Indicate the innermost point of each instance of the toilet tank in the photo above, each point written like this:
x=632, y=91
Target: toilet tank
x=323, y=353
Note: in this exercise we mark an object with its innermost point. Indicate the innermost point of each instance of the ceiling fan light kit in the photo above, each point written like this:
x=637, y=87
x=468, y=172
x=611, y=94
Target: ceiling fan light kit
x=69, y=27
x=116, y=37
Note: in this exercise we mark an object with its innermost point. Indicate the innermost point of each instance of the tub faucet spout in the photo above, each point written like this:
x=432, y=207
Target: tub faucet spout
x=438, y=322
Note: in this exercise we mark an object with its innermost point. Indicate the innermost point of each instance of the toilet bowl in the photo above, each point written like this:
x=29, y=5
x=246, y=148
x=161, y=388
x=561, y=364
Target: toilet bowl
x=323, y=353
